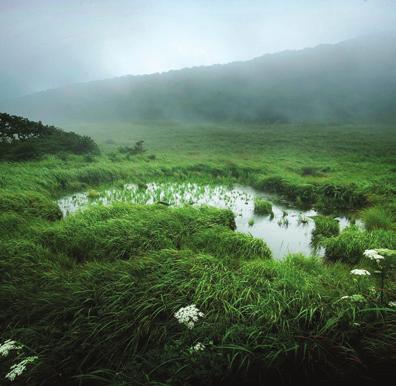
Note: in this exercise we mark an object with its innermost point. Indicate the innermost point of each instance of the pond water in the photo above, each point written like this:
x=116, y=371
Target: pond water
x=287, y=231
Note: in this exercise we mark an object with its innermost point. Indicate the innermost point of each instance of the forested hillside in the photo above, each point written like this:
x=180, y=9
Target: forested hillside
x=353, y=81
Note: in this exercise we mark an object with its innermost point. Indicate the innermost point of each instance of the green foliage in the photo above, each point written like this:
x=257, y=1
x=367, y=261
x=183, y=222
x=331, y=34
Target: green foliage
x=314, y=171
x=339, y=197
x=95, y=176
x=92, y=194
x=125, y=231
x=137, y=149
x=94, y=295
x=115, y=319
x=325, y=227
x=21, y=139
x=29, y=204
x=262, y=207
x=377, y=218
x=326, y=197
x=222, y=242
x=352, y=242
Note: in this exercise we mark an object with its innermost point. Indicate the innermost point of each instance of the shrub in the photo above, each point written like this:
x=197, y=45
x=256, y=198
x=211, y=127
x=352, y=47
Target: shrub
x=22, y=151
x=137, y=149
x=22, y=139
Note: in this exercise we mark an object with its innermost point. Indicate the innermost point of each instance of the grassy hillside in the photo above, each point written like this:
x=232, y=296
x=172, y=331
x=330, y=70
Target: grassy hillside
x=353, y=81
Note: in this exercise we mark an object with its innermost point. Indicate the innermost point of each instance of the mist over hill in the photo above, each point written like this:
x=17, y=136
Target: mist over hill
x=352, y=81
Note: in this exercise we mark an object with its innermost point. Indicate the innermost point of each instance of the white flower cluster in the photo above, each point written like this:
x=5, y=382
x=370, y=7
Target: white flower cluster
x=392, y=304
x=8, y=346
x=198, y=347
x=354, y=298
x=19, y=368
x=372, y=254
x=188, y=315
x=360, y=272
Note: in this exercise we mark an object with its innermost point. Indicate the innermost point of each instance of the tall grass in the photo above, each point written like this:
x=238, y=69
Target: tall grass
x=378, y=218
x=324, y=227
x=94, y=295
x=29, y=204
x=124, y=230
x=221, y=242
x=352, y=242
x=112, y=322
x=262, y=207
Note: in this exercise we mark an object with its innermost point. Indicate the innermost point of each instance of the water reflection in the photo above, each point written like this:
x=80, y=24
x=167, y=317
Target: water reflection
x=287, y=230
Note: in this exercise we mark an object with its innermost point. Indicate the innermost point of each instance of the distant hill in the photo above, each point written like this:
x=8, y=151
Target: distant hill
x=352, y=81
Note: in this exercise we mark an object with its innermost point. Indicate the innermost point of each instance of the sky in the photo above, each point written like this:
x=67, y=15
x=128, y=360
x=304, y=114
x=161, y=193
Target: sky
x=51, y=43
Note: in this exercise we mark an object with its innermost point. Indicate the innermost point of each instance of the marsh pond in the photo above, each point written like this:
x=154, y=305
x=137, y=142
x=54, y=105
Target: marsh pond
x=286, y=230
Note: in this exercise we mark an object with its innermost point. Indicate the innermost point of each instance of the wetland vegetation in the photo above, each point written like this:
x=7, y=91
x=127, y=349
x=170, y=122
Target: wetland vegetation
x=197, y=193
x=98, y=254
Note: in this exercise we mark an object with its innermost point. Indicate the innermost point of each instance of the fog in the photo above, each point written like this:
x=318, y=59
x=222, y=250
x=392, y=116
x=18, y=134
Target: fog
x=46, y=44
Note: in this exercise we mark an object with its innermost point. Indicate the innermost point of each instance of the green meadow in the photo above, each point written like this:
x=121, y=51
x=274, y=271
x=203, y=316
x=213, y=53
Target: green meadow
x=94, y=295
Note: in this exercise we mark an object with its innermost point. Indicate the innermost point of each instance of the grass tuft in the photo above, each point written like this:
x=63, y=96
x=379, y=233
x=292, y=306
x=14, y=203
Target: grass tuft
x=262, y=207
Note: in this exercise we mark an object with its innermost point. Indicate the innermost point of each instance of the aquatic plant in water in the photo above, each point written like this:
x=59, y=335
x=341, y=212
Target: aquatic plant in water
x=262, y=207
x=284, y=235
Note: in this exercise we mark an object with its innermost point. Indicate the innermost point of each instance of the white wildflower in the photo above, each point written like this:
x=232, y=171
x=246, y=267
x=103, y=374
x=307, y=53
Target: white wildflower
x=354, y=298
x=372, y=254
x=188, y=315
x=8, y=346
x=392, y=304
x=198, y=347
x=19, y=368
x=360, y=272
